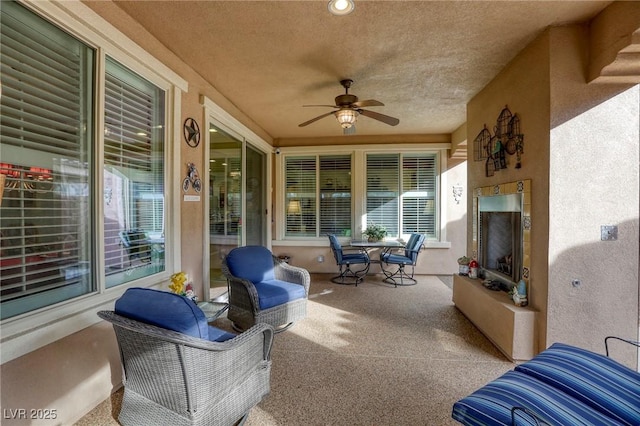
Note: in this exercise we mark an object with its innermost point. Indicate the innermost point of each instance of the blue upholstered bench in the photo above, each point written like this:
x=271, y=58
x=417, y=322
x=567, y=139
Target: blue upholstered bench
x=168, y=310
x=562, y=385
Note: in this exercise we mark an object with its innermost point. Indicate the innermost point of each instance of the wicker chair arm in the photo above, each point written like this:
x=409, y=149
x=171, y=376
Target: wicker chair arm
x=244, y=284
x=291, y=274
x=264, y=331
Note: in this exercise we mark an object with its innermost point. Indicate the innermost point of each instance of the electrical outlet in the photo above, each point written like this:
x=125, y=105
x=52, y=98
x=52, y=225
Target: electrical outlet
x=608, y=232
x=320, y=259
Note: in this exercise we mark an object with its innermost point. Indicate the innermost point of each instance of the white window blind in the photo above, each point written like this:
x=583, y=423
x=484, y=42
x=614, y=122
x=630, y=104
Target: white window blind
x=300, y=196
x=419, y=195
x=401, y=193
x=335, y=195
x=383, y=183
x=45, y=128
x=133, y=176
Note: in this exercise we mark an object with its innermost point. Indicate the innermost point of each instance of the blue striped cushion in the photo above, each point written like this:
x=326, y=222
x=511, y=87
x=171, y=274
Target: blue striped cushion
x=595, y=379
x=491, y=404
x=353, y=258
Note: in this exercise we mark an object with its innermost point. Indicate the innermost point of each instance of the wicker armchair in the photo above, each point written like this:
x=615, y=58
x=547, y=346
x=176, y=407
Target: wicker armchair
x=263, y=289
x=172, y=378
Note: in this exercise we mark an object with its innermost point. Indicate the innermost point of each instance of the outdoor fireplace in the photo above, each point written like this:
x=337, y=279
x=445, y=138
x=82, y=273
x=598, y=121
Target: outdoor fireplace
x=501, y=221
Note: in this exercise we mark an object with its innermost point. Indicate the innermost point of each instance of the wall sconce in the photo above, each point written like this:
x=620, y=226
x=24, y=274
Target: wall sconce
x=457, y=193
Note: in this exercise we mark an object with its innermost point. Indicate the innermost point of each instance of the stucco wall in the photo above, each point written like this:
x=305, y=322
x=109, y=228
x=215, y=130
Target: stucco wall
x=581, y=153
x=523, y=87
x=594, y=138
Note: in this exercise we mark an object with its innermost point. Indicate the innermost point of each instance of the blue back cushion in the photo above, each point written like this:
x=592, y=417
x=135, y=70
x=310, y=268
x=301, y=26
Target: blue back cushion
x=413, y=246
x=336, y=248
x=491, y=405
x=595, y=379
x=167, y=310
x=253, y=263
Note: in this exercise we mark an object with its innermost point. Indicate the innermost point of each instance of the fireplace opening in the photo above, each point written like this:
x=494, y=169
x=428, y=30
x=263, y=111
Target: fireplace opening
x=500, y=237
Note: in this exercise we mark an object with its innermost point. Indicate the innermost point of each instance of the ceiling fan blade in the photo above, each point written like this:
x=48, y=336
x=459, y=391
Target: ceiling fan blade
x=391, y=121
x=367, y=103
x=330, y=106
x=316, y=119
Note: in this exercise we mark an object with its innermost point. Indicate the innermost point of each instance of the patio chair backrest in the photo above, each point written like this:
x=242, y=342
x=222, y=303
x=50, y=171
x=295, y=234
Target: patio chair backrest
x=336, y=248
x=413, y=246
x=253, y=263
x=163, y=309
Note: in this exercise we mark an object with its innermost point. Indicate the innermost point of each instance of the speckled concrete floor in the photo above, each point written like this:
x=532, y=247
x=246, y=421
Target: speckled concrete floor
x=368, y=355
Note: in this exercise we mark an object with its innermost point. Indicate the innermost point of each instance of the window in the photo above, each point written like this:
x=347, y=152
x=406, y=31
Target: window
x=133, y=176
x=318, y=195
x=341, y=193
x=300, y=197
x=52, y=241
x=401, y=193
x=383, y=177
x=335, y=195
x=46, y=127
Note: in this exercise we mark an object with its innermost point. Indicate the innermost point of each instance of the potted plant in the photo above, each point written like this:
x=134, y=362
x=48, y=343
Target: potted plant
x=463, y=265
x=375, y=232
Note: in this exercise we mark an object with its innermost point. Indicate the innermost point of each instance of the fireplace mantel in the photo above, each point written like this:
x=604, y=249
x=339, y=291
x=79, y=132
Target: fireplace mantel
x=511, y=328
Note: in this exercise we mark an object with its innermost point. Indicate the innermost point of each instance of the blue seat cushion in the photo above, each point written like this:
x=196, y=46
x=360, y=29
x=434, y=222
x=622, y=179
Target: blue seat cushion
x=253, y=263
x=397, y=259
x=491, y=404
x=275, y=292
x=168, y=310
x=352, y=258
x=595, y=379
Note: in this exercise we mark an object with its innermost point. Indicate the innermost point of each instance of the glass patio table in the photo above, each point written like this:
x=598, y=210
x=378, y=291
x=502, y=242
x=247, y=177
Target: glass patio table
x=386, y=247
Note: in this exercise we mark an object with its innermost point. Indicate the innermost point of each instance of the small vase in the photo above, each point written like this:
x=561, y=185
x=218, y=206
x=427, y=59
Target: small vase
x=373, y=239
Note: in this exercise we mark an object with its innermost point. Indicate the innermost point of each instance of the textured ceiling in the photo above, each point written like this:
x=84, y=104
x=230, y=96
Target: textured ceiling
x=424, y=60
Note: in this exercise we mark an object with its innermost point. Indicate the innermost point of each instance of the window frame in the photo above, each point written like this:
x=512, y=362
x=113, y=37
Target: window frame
x=358, y=188
x=29, y=331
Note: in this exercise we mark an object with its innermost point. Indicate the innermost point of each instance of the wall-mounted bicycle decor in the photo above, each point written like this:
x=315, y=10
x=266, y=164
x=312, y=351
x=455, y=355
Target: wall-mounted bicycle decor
x=192, y=179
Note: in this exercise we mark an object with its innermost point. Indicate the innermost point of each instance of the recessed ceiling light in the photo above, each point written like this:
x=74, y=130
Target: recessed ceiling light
x=341, y=7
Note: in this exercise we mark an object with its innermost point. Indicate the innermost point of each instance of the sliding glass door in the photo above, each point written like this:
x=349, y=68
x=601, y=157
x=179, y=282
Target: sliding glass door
x=237, y=198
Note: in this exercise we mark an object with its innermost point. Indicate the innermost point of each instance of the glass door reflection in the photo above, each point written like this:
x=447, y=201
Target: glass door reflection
x=225, y=199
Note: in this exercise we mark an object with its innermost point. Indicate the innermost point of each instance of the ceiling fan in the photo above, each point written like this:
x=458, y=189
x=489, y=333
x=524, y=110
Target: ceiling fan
x=347, y=109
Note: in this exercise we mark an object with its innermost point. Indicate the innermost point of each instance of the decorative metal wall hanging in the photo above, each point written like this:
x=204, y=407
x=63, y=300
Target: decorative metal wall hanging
x=506, y=140
x=191, y=132
x=480, y=144
x=192, y=179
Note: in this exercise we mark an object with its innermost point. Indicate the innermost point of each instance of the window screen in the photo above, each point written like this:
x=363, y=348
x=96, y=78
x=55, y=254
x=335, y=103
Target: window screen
x=419, y=195
x=300, y=196
x=133, y=176
x=383, y=178
x=335, y=195
x=45, y=139
x=401, y=193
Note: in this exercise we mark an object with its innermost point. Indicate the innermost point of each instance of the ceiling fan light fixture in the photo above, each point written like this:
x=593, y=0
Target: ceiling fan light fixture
x=341, y=7
x=346, y=117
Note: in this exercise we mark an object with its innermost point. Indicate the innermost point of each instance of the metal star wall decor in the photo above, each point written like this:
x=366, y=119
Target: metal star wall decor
x=191, y=132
